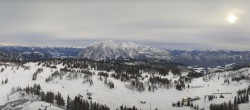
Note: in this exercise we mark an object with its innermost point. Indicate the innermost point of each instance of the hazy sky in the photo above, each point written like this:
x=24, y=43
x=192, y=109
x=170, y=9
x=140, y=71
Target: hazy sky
x=164, y=24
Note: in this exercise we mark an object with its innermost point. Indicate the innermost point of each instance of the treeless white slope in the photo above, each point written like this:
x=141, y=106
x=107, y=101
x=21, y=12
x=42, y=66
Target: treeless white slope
x=40, y=105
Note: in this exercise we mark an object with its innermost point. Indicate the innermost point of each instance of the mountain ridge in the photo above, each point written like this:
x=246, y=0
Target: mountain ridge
x=112, y=50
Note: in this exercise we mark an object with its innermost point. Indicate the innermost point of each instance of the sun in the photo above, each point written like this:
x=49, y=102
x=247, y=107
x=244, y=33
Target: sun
x=232, y=18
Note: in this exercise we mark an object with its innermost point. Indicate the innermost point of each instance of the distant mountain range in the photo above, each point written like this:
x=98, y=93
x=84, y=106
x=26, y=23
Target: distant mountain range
x=110, y=50
x=209, y=58
x=36, y=53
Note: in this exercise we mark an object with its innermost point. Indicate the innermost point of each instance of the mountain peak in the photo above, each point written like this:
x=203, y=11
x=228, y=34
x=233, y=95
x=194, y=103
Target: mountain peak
x=104, y=43
x=111, y=49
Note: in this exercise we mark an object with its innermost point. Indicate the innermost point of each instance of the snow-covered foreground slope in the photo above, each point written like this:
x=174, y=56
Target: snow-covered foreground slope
x=40, y=104
x=120, y=94
x=24, y=104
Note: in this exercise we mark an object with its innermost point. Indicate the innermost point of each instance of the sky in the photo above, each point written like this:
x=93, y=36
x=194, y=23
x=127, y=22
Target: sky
x=172, y=24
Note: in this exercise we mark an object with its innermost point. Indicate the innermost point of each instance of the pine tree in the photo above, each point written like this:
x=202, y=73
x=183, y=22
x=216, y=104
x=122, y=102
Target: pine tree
x=178, y=87
x=59, y=99
x=242, y=99
x=182, y=102
x=238, y=100
x=188, y=103
x=192, y=105
x=236, y=107
x=247, y=98
x=6, y=80
x=211, y=107
x=49, y=97
x=235, y=101
x=121, y=107
x=178, y=104
x=230, y=106
x=42, y=96
x=68, y=101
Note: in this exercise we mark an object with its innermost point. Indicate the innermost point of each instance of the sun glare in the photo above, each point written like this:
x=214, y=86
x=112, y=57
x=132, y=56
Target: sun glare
x=232, y=18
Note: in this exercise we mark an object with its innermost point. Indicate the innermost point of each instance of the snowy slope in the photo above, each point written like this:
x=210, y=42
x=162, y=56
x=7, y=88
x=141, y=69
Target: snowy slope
x=40, y=104
x=120, y=95
x=24, y=104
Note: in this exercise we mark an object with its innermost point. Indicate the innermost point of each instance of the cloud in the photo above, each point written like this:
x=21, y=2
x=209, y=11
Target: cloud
x=165, y=24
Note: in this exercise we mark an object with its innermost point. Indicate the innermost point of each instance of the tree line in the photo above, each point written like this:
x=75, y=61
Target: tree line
x=77, y=103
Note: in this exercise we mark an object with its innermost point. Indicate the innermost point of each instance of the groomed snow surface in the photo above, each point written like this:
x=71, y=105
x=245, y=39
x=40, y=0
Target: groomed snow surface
x=40, y=104
x=119, y=95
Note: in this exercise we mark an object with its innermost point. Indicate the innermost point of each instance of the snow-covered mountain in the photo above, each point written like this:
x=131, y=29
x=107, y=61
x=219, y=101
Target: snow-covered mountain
x=127, y=50
x=36, y=53
x=111, y=50
x=209, y=58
